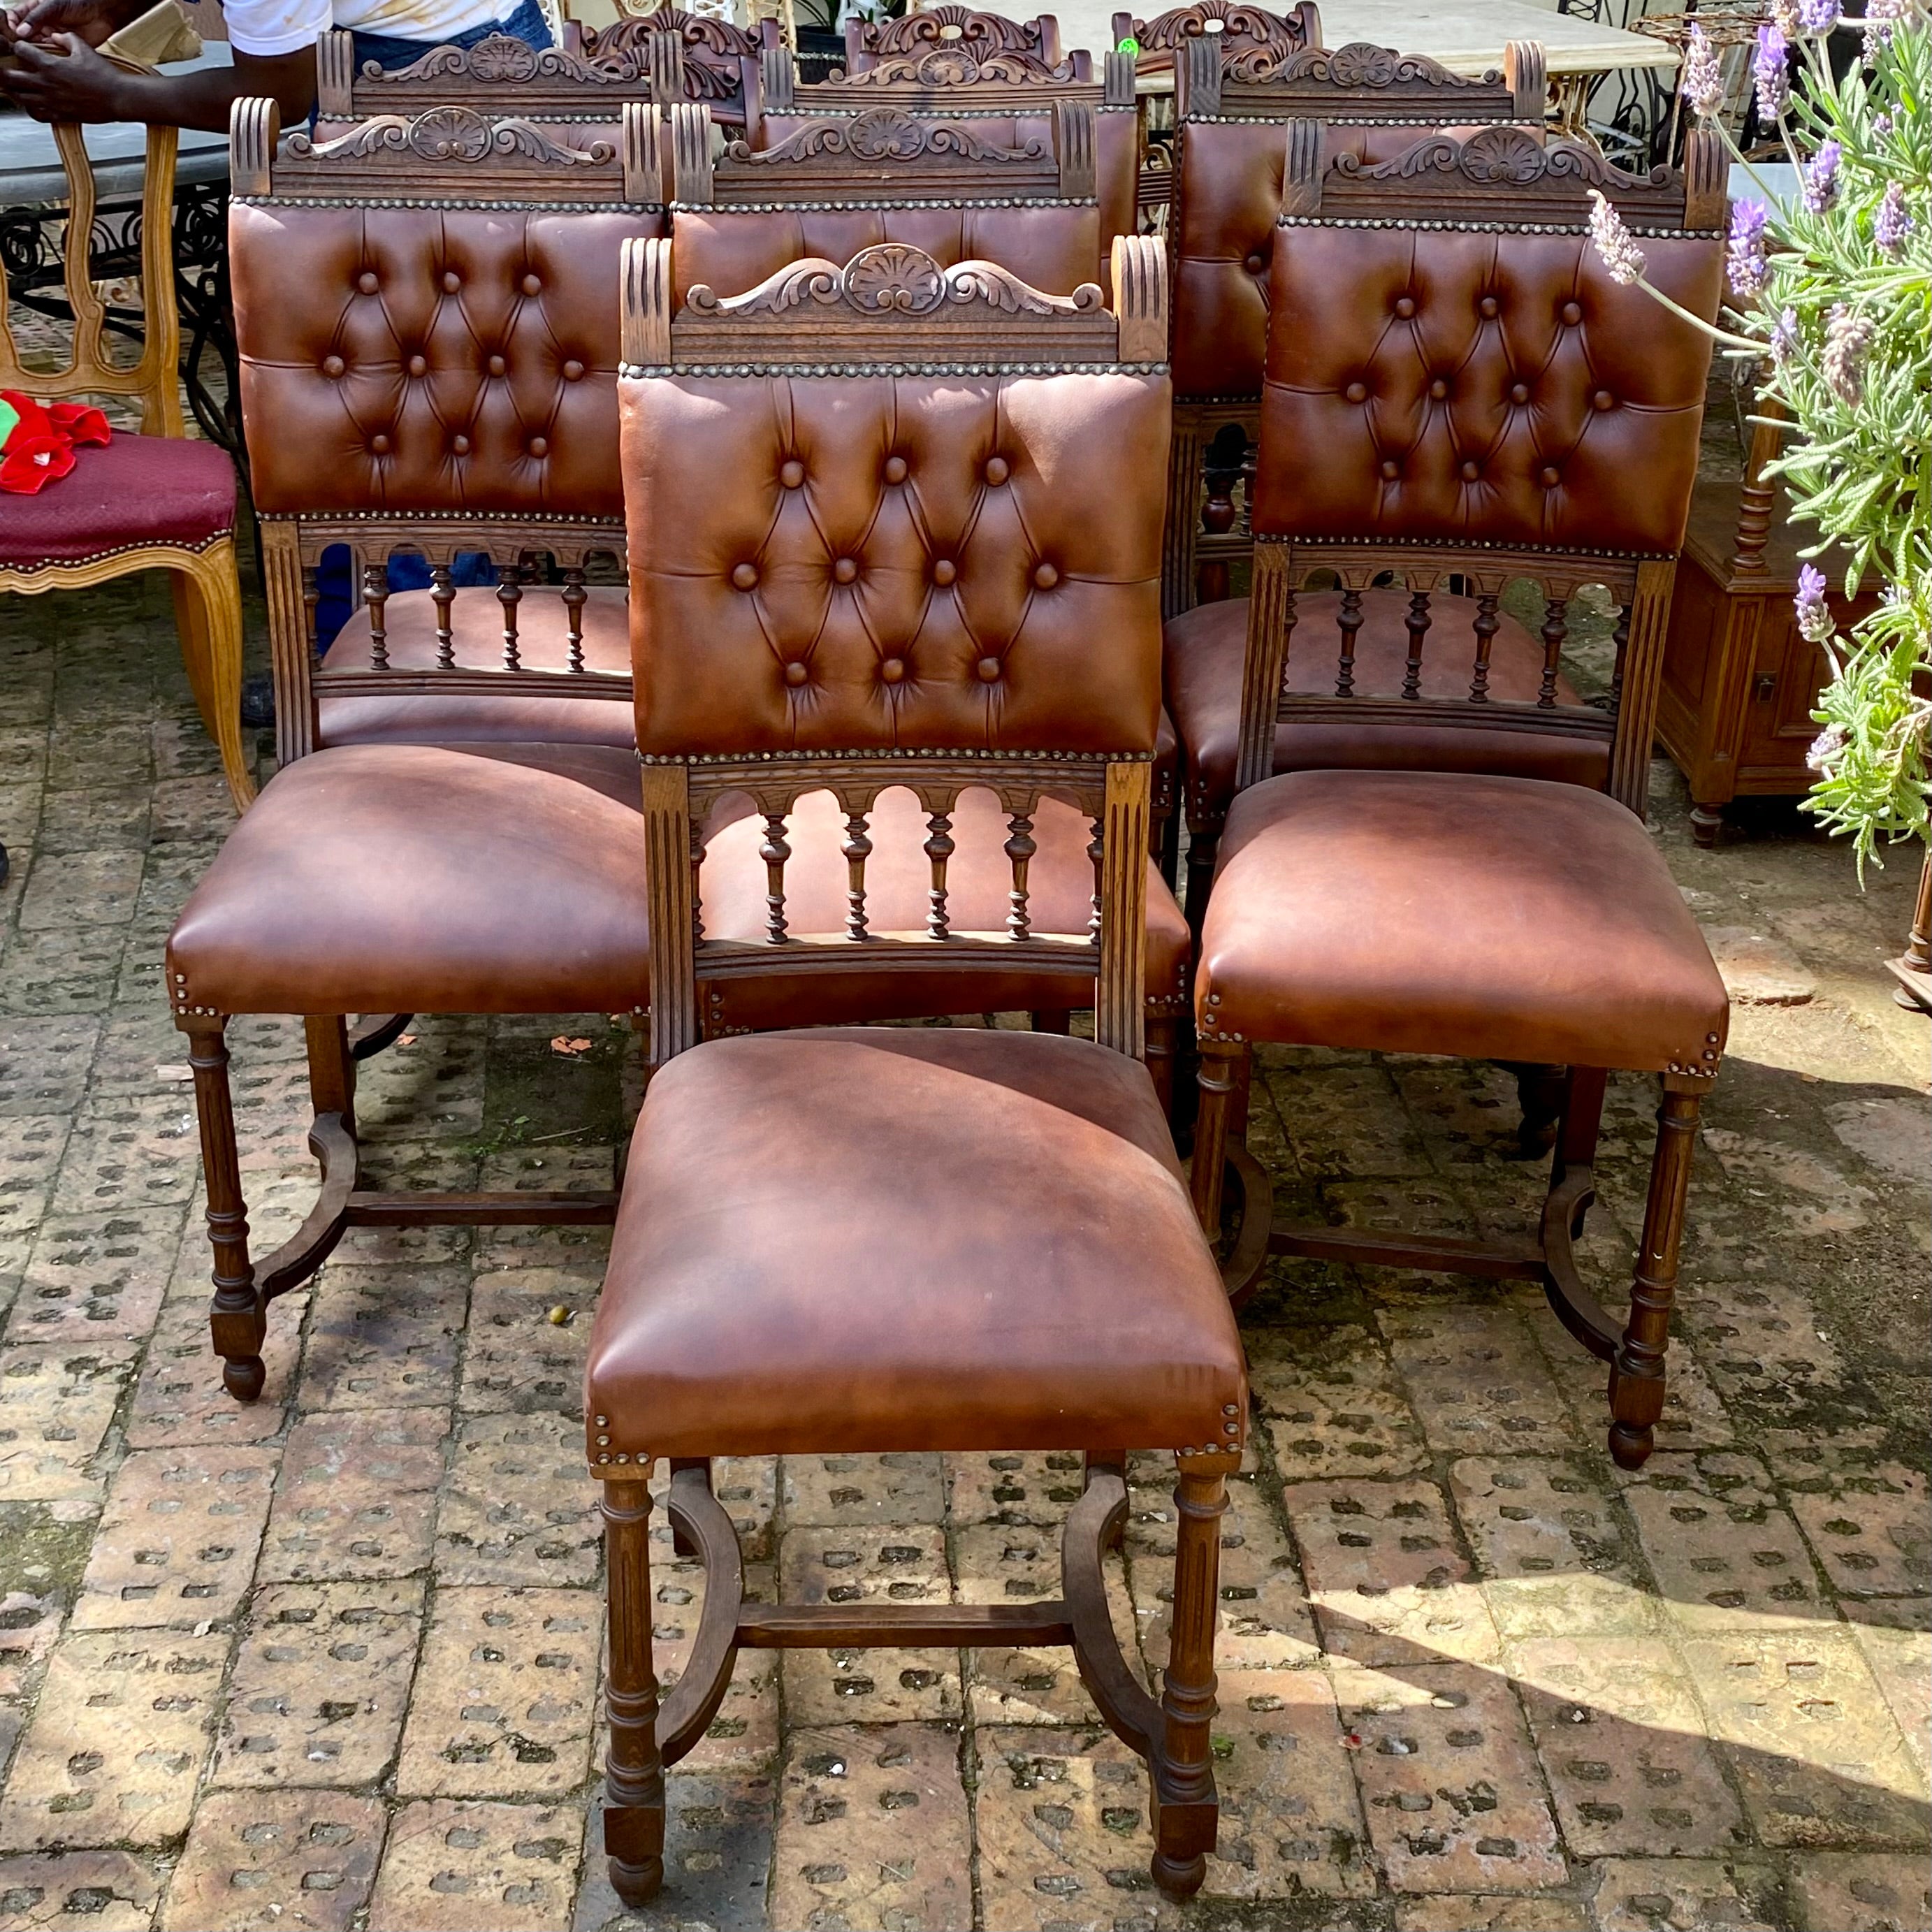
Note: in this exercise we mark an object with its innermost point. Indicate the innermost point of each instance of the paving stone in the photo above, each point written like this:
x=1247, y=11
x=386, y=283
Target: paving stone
x=1387, y=1583
x=31, y=1146
x=1862, y=1892
x=71, y=888
x=319, y=1685
x=1348, y=1121
x=1871, y=1532
x=1449, y=1781
x=1551, y=1546
x=357, y=1497
x=1333, y=1408
x=1410, y=1206
x=747, y=1488
x=178, y=1541
x=1489, y=1912
x=463, y=1865
x=1900, y=1661
x=1291, y=1821
x=520, y=1506
x=1019, y=1488
x=44, y=1062
x=69, y=970
x=857, y=1492
x=95, y=820
x=515, y=1359
x=903, y=1564
x=1683, y=1894
x=504, y=1701
x=872, y=1829
x=1759, y=970
x=56, y=1401
x=384, y=1338
x=1476, y=1381
x=29, y=1625
x=105, y=1891
x=1265, y=1621
x=1761, y=1344
x=744, y=1736
x=122, y=1729
x=180, y=1400
x=1807, y=1197
x=1816, y=1752
x=718, y=1854
x=300, y=1860
x=1724, y=1552
x=94, y=1276
x=1693, y=1416
x=129, y=1151
x=1618, y=1726
x=1895, y=1136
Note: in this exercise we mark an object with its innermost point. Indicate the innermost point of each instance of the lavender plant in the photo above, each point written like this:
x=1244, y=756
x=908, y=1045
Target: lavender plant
x=1834, y=290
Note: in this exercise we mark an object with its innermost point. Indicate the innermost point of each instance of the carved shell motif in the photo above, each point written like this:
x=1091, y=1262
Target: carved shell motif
x=884, y=133
x=894, y=278
x=1245, y=26
x=954, y=67
x=458, y=134
x=984, y=35
x=503, y=57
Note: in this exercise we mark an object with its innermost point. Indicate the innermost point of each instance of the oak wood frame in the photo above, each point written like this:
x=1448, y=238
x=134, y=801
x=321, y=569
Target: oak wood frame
x=206, y=588
x=1534, y=187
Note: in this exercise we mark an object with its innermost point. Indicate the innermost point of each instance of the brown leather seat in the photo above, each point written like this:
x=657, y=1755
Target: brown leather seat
x=829, y=1238
x=425, y=878
x=1449, y=912
x=1203, y=650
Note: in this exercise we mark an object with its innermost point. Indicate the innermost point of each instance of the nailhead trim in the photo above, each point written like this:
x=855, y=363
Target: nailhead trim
x=894, y=754
x=634, y=372
x=615, y=206
x=1464, y=543
x=1482, y=227
x=207, y=544
x=835, y=207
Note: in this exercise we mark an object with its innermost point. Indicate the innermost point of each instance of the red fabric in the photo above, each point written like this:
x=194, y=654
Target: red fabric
x=40, y=447
x=138, y=490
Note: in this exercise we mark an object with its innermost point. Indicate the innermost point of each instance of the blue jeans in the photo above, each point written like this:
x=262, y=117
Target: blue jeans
x=525, y=22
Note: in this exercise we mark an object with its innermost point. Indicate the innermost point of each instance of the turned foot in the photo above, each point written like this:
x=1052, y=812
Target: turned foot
x=1707, y=823
x=1179, y=1878
x=243, y=1377
x=636, y=1885
x=1630, y=1444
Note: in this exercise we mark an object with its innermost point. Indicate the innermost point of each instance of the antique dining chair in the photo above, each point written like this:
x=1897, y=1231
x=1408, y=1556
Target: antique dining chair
x=889, y=1239
x=1405, y=905
x=155, y=501
x=1232, y=107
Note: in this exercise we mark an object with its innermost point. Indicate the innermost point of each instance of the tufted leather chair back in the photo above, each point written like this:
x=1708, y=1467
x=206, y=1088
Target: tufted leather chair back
x=1229, y=150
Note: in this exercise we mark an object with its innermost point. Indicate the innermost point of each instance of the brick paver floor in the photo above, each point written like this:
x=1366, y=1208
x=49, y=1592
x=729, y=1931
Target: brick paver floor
x=332, y=1661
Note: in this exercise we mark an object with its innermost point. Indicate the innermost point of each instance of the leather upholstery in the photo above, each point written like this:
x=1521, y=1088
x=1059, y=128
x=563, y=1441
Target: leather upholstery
x=135, y=489
x=902, y=1239
x=400, y=878
x=881, y=561
x=1053, y=246
x=1452, y=386
x=1059, y=886
x=515, y=714
x=428, y=359
x=1205, y=648
x=1482, y=916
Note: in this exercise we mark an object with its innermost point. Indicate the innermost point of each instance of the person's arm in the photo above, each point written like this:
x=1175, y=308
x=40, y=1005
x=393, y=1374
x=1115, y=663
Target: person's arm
x=61, y=78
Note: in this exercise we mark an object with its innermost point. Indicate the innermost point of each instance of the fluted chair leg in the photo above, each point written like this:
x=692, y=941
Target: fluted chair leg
x=634, y=1786
x=236, y=1320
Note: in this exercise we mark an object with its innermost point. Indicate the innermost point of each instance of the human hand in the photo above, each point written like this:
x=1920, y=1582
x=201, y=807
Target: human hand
x=64, y=80
x=91, y=20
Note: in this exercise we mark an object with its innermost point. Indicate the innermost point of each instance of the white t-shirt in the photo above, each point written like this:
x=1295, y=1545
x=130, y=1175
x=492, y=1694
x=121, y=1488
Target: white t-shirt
x=268, y=27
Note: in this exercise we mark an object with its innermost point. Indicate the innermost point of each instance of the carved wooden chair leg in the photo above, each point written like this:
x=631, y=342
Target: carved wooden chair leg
x=1186, y=1811
x=633, y=1786
x=1160, y=1032
x=332, y=1067
x=236, y=1320
x=208, y=616
x=1059, y=1020
x=1540, y=1092
x=1636, y=1373
x=1204, y=842
x=682, y=1543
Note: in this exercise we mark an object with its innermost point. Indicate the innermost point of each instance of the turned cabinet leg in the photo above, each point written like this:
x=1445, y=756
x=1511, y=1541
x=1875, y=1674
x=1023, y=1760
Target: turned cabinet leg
x=634, y=1786
x=1707, y=824
x=1636, y=1372
x=1185, y=1811
x=236, y=1320
x=1539, y=1092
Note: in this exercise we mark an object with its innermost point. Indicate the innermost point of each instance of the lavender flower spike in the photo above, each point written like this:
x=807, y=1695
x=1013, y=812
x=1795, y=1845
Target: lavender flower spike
x=1745, y=264
x=1784, y=17
x=1772, y=73
x=1612, y=240
x=1848, y=337
x=1881, y=17
x=1817, y=16
x=1702, y=84
x=1893, y=224
x=1821, y=177
x=1783, y=343
x=1825, y=749
x=1815, y=621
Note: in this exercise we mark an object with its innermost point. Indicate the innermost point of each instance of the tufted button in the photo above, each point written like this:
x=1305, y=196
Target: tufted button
x=1405, y=307
x=418, y=366
x=379, y=444
x=845, y=571
x=366, y=282
x=497, y=365
x=573, y=370
x=1438, y=388
x=791, y=472
x=1391, y=469
x=531, y=286
x=460, y=444
x=1488, y=308
x=1471, y=470
x=1573, y=314
x=944, y=570
x=989, y=669
x=1603, y=399
x=1357, y=392
x=996, y=471
x=451, y=281
x=892, y=670
x=745, y=575
x=895, y=469
x=333, y=366
x=1045, y=576
x=1519, y=393
x=1256, y=263
x=539, y=445
x=1552, y=476
x=796, y=674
